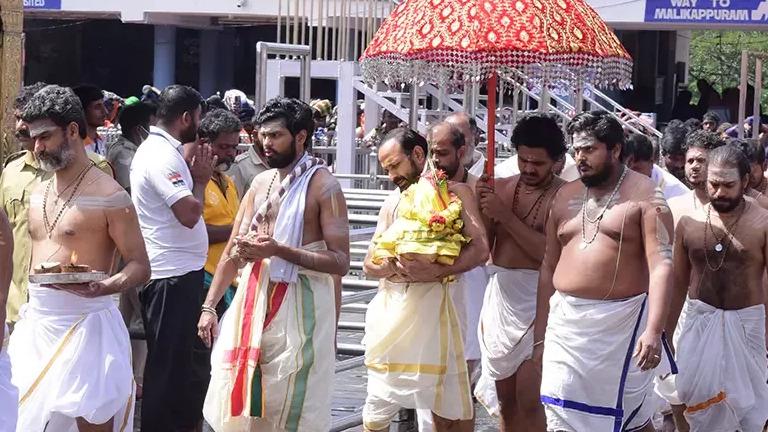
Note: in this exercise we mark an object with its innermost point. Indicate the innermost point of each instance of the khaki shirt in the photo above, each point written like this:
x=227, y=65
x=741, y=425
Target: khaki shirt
x=120, y=155
x=19, y=178
x=247, y=166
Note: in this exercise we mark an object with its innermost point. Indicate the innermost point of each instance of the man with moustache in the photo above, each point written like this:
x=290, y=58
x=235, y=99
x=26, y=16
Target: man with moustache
x=638, y=155
x=515, y=211
x=169, y=197
x=448, y=146
x=22, y=173
x=414, y=348
x=603, y=291
x=273, y=360
x=70, y=351
x=697, y=147
x=672, y=145
x=472, y=159
x=221, y=130
x=719, y=261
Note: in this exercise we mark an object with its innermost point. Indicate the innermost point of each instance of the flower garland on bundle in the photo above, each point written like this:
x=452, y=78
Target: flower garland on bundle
x=428, y=223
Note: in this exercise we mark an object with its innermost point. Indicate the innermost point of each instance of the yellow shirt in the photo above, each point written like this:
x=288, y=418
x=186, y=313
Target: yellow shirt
x=219, y=210
x=19, y=178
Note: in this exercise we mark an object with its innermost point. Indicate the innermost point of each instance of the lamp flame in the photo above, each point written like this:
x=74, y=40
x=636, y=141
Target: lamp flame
x=73, y=258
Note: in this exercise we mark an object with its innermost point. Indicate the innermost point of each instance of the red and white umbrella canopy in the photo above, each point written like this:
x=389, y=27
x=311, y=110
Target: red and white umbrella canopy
x=443, y=41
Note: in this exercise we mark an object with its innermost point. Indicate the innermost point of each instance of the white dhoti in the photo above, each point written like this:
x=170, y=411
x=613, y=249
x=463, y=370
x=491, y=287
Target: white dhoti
x=272, y=366
x=469, y=294
x=9, y=396
x=414, y=354
x=506, y=329
x=723, y=368
x=590, y=381
x=71, y=358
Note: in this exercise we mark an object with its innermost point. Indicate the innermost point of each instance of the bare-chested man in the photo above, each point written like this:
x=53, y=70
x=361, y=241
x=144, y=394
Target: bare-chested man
x=697, y=147
x=516, y=211
x=414, y=351
x=70, y=352
x=273, y=361
x=720, y=256
x=608, y=271
x=448, y=145
x=9, y=396
x=755, y=155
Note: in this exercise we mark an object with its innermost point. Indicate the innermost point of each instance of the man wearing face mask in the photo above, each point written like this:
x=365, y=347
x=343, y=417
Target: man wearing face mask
x=719, y=263
x=603, y=290
x=134, y=127
x=169, y=195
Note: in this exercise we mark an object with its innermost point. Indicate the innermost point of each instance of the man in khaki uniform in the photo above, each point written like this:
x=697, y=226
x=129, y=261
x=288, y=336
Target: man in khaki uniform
x=21, y=173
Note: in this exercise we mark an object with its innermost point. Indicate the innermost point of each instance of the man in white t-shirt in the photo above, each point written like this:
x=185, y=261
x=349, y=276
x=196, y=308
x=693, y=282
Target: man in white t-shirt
x=168, y=196
x=638, y=155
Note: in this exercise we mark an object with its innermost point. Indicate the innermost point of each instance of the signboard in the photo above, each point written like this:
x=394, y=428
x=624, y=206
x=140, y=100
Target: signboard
x=707, y=11
x=42, y=4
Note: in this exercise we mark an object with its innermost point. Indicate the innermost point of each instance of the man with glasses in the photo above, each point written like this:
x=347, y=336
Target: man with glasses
x=20, y=175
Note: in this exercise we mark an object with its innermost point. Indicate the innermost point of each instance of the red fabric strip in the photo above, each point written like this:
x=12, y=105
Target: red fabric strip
x=241, y=365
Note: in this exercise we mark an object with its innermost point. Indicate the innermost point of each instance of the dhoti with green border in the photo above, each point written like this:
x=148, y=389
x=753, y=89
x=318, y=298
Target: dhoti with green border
x=273, y=362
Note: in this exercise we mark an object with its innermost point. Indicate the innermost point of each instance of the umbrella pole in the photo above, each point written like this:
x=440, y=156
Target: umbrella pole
x=491, y=146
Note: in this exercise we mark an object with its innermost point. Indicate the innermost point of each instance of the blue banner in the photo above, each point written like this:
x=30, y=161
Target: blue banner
x=42, y=4
x=707, y=11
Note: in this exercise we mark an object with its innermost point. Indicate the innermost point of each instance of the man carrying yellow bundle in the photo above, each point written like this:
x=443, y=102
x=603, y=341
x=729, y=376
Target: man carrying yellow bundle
x=414, y=350
x=428, y=224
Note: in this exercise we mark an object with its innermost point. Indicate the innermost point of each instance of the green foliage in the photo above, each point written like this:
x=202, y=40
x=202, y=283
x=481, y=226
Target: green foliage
x=716, y=57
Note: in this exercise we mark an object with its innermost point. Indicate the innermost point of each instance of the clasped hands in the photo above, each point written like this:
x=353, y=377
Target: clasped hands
x=254, y=246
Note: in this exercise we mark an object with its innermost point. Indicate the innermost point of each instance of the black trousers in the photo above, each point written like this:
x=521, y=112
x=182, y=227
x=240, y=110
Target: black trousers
x=173, y=390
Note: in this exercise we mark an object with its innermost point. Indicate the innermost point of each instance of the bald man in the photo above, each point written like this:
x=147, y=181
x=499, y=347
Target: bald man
x=472, y=159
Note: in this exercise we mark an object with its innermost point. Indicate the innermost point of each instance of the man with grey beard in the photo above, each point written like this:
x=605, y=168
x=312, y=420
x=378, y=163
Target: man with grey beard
x=21, y=174
x=70, y=351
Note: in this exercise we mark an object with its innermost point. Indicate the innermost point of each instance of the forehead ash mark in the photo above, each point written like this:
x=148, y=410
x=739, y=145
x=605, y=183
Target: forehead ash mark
x=583, y=139
x=40, y=128
x=720, y=174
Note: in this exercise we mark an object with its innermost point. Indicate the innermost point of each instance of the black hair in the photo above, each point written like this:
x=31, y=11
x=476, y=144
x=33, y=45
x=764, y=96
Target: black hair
x=704, y=140
x=638, y=146
x=692, y=125
x=672, y=141
x=540, y=130
x=135, y=115
x=215, y=102
x=88, y=93
x=730, y=156
x=457, y=138
x=408, y=139
x=217, y=122
x=58, y=104
x=751, y=148
x=26, y=93
x=175, y=100
x=599, y=124
x=295, y=115
x=712, y=116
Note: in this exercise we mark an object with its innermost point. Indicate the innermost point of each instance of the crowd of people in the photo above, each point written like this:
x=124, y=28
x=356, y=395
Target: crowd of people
x=599, y=281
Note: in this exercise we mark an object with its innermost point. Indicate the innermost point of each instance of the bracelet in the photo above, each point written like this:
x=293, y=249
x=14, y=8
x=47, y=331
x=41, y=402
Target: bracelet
x=538, y=343
x=210, y=310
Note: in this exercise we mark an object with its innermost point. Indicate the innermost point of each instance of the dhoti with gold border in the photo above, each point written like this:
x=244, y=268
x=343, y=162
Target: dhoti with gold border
x=414, y=354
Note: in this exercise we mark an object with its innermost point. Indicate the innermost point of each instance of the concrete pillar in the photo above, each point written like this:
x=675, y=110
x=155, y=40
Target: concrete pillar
x=164, y=72
x=208, y=61
x=683, y=51
x=226, y=61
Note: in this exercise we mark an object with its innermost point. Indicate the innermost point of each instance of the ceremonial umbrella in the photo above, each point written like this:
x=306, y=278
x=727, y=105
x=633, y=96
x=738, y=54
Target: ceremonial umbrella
x=455, y=41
